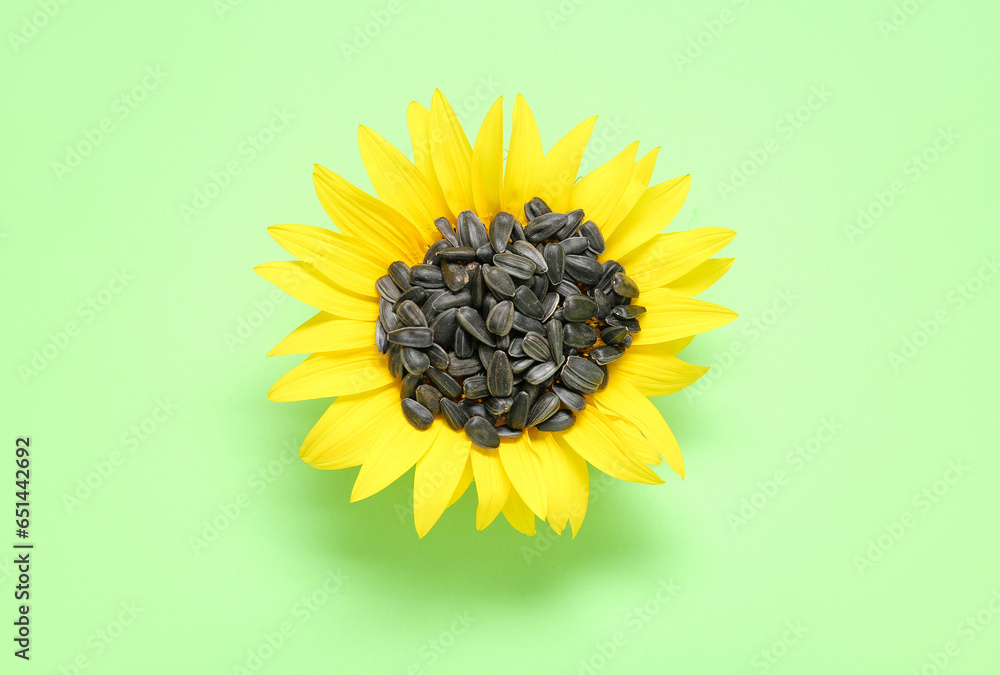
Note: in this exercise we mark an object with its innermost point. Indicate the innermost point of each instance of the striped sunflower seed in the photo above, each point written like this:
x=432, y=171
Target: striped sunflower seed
x=387, y=288
x=416, y=294
x=515, y=265
x=416, y=414
x=523, y=248
x=445, y=383
x=501, y=318
x=472, y=322
x=410, y=315
x=516, y=348
x=605, y=354
x=429, y=397
x=475, y=387
x=500, y=376
x=500, y=231
x=583, y=269
x=536, y=346
x=542, y=409
x=446, y=230
x=498, y=281
x=560, y=421
x=579, y=335
x=555, y=259
x=579, y=308
x=569, y=398
x=410, y=336
x=454, y=414
x=623, y=285
x=581, y=375
x=612, y=335
x=544, y=226
x=524, y=323
x=395, y=362
x=518, y=413
x=573, y=220
x=498, y=405
x=414, y=360
x=444, y=325
x=465, y=344
x=575, y=245
x=381, y=339
x=527, y=302
x=458, y=367
x=408, y=388
x=522, y=365
x=428, y=276
x=458, y=254
x=400, y=274
x=595, y=239
x=535, y=207
x=554, y=334
x=541, y=372
x=482, y=433
x=445, y=300
x=549, y=304
x=431, y=257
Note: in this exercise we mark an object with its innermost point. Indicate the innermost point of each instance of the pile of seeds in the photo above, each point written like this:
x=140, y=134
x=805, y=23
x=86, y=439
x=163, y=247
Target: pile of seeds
x=505, y=328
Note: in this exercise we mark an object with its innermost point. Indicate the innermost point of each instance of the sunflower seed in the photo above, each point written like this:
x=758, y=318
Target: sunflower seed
x=583, y=269
x=527, y=302
x=410, y=315
x=542, y=409
x=579, y=335
x=518, y=413
x=482, y=433
x=555, y=259
x=522, y=365
x=411, y=336
x=603, y=304
x=544, y=226
x=570, y=399
x=428, y=276
x=416, y=294
x=517, y=234
x=549, y=305
x=567, y=288
x=595, y=239
x=387, y=288
x=516, y=348
x=608, y=270
x=538, y=286
x=485, y=354
x=501, y=318
x=471, y=321
x=395, y=363
x=414, y=360
x=504, y=431
x=573, y=220
x=438, y=356
x=539, y=373
x=409, y=385
x=535, y=208
x=579, y=308
x=381, y=340
x=623, y=285
x=475, y=387
x=444, y=301
x=474, y=408
x=430, y=312
x=500, y=230
x=446, y=230
x=612, y=335
x=526, y=250
x=554, y=333
x=458, y=254
x=399, y=272
x=632, y=325
x=498, y=405
x=605, y=354
x=465, y=345
x=524, y=323
x=455, y=275
x=476, y=231
x=626, y=341
x=429, y=397
x=454, y=414
x=489, y=302
x=582, y=375
x=498, y=281
x=536, y=346
x=500, y=377
x=562, y=420
x=629, y=311
x=416, y=414
x=485, y=253
x=444, y=325
x=458, y=367
x=445, y=383
x=515, y=265
x=575, y=245
x=431, y=257
x=476, y=285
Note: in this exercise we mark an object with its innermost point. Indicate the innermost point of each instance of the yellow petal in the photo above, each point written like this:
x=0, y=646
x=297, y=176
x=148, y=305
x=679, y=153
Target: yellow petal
x=642, y=171
x=557, y=173
x=651, y=214
x=598, y=192
x=593, y=438
x=637, y=443
x=487, y=164
x=667, y=257
x=654, y=370
x=451, y=154
x=344, y=434
x=524, y=159
x=326, y=333
x=492, y=485
x=622, y=399
x=303, y=282
x=397, y=182
x=700, y=278
x=347, y=261
x=437, y=476
x=675, y=347
x=671, y=317
x=463, y=482
x=418, y=120
x=562, y=479
x=518, y=514
x=397, y=448
x=333, y=374
x=358, y=214
x=524, y=469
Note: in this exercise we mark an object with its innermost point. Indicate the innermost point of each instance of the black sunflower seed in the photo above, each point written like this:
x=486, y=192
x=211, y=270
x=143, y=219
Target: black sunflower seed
x=504, y=431
x=414, y=360
x=575, y=245
x=549, y=305
x=554, y=333
x=476, y=231
x=498, y=405
x=395, y=362
x=560, y=421
x=542, y=409
x=458, y=254
x=459, y=367
x=524, y=323
x=623, y=285
x=579, y=335
x=573, y=220
x=416, y=414
x=632, y=325
x=579, y=308
x=455, y=275
x=535, y=207
x=445, y=383
x=524, y=249
x=595, y=239
x=583, y=269
x=485, y=354
x=515, y=265
x=527, y=302
x=472, y=322
x=626, y=341
x=569, y=398
x=605, y=354
x=429, y=397
x=431, y=257
x=516, y=348
x=410, y=336
x=517, y=234
x=444, y=325
x=428, y=276
x=381, y=339
x=518, y=413
x=465, y=344
x=539, y=285
x=387, y=288
x=482, y=433
x=603, y=304
x=454, y=414
x=498, y=281
x=474, y=408
x=446, y=230
x=522, y=365
x=541, y=372
x=500, y=231
x=446, y=300
x=400, y=274
x=536, y=346
x=608, y=270
x=501, y=318
x=555, y=259
x=410, y=315
x=485, y=253
x=416, y=294
x=629, y=311
x=500, y=376
x=612, y=335
x=544, y=226
x=477, y=287
x=409, y=385
x=489, y=302
x=475, y=387
x=567, y=288
x=582, y=375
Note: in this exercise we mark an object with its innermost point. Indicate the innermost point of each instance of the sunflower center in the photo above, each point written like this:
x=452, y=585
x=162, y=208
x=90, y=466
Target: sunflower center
x=505, y=328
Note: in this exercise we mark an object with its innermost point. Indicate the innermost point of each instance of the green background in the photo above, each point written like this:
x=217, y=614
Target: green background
x=163, y=373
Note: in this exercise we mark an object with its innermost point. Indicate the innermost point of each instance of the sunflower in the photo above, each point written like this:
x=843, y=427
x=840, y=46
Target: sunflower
x=502, y=323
